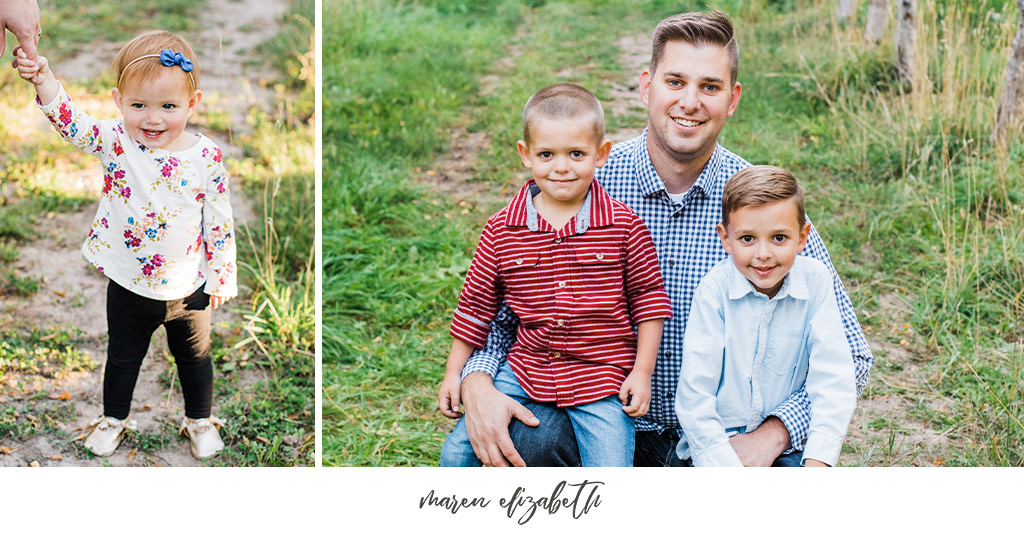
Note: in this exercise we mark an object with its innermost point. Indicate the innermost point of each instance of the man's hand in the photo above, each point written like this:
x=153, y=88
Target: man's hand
x=763, y=445
x=488, y=413
x=218, y=301
x=21, y=17
x=637, y=385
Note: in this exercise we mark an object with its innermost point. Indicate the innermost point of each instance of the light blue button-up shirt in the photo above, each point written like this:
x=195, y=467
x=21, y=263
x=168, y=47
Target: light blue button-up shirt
x=744, y=354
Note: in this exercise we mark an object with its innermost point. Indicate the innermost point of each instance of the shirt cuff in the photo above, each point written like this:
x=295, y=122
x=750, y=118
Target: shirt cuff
x=653, y=304
x=481, y=362
x=795, y=414
x=822, y=448
x=720, y=455
x=469, y=329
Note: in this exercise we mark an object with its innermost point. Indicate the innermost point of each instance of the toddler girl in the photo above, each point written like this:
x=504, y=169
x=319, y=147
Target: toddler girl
x=163, y=234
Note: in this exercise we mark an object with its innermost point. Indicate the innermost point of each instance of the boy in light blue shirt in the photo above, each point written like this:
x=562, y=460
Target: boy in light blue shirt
x=762, y=321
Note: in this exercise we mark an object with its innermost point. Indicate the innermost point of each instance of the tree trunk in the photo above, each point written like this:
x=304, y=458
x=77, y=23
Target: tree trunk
x=878, y=11
x=906, y=42
x=1009, y=115
x=846, y=10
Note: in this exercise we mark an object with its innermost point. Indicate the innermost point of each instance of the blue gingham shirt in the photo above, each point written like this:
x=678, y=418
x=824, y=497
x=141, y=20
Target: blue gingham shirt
x=688, y=246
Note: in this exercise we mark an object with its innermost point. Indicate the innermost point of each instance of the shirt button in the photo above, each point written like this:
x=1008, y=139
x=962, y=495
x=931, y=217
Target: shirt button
x=668, y=355
x=600, y=256
x=519, y=261
x=556, y=355
x=558, y=241
x=671, y=262
x=561, y=322
x=561, y=284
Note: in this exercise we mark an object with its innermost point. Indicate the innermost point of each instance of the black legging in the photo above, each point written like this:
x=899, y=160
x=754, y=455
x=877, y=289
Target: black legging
x=131, y=321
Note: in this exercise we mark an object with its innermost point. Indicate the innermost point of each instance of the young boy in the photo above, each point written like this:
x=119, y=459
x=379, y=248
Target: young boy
x=580, y=270
x=762, y=321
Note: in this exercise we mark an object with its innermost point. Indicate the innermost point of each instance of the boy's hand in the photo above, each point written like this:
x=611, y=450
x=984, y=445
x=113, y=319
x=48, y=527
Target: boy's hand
x=448, y=397
x=638, y=385
x=217, y=301
x=35, y=71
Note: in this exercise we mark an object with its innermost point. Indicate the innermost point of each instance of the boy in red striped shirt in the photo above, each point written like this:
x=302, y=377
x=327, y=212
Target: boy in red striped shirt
x=580, y=270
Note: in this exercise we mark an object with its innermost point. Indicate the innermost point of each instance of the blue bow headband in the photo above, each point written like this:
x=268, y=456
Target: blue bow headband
x=169, y=58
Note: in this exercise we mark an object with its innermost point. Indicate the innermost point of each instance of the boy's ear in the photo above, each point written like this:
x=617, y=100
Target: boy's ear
x=723, y=236
x=524, y=153
x=116, y=94
x=197, y=96
x=602, y=153
x=804, y=232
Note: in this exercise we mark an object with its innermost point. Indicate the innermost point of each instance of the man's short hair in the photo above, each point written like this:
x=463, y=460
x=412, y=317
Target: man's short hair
x=697, y=28
x=760, y=185
x=564, y=101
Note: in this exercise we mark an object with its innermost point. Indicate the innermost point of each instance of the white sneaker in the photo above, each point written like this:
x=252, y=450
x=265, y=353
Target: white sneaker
x=203, y=435
x=106, y=433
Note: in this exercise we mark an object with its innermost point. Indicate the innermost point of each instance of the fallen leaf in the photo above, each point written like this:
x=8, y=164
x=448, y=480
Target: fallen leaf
x=4, y=450
x=904, y=342
x=79, y=437
x=53, y=396
x=56, y=457
x=34, y=464
x=131, y=455
x=48, y=337
x=59, y=293
x=261, y=439
x=145, y=408
x=939, y=462
x=65, y=396
x=431, y=172
x=906, y=325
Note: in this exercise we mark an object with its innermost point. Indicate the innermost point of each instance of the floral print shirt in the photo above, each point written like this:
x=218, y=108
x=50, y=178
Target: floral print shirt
x=164, y=226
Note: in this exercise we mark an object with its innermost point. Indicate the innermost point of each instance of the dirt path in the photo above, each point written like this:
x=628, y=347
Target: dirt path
x=72, y=293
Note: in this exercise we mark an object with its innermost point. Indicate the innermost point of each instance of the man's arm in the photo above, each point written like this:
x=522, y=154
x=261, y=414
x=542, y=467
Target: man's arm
x=794, y=415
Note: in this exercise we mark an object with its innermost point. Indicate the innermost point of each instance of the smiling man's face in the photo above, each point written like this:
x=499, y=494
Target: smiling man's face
x=689, y=97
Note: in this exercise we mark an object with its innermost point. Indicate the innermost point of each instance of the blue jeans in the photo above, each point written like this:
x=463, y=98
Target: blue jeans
x=552, y=443
x=604, y=433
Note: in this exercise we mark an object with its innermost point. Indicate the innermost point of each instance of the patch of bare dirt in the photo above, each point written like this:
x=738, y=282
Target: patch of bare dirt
x=72, y=293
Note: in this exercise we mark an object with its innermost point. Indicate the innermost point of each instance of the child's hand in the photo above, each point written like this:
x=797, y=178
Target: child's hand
x=35, y=72
x=217, y=301
x=448, y=399
x=638, y=385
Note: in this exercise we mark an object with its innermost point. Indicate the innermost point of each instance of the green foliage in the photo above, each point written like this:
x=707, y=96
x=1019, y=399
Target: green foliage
x=52, y=353
x=70, y=24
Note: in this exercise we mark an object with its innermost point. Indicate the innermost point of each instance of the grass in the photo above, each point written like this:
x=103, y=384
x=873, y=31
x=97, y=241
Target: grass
x=263, y=359
x=922, y=218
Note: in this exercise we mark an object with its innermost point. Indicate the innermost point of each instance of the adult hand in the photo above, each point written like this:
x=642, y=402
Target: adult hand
x=763, y=445
x=21, y=17
x=488, y=413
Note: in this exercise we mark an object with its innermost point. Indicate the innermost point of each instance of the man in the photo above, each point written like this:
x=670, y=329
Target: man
x=672, y=176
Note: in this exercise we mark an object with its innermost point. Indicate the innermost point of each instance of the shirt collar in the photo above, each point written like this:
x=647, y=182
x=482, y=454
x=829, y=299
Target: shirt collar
x=597, y=209
x=794, y=285
x=650, y=182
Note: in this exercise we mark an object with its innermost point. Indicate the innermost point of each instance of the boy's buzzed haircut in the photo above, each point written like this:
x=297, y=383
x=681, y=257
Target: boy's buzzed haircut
x=698, y=29
x=760, y=185
x=564, y=101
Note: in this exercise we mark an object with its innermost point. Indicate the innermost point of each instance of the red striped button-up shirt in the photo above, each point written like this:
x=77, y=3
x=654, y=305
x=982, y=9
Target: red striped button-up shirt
x=578, y=291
